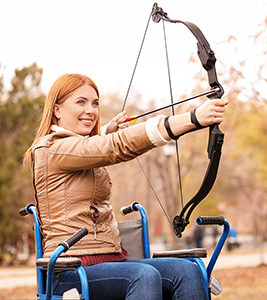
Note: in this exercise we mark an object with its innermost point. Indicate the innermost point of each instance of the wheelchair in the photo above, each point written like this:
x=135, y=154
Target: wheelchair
x=134, y=230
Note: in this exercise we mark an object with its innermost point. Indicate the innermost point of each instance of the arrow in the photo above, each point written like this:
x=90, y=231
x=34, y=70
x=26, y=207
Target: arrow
x=134, y=118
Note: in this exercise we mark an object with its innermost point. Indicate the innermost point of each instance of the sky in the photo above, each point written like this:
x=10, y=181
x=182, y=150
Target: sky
x=102, y=38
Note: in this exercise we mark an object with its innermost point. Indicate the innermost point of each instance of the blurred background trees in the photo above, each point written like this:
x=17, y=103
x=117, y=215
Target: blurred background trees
x=20, y=109
x=239, y=192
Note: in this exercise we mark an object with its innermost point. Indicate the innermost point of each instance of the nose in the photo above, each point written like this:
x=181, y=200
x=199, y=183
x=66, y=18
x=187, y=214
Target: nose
x=89, y=109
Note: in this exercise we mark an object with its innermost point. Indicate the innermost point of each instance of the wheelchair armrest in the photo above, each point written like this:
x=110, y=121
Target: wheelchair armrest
x=61, y=263
x=197, y=252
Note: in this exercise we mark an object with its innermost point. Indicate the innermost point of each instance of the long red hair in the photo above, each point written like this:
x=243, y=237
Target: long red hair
x=61, y=89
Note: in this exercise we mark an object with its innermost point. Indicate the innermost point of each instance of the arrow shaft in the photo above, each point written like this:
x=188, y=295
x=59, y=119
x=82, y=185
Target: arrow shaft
x=173, y=104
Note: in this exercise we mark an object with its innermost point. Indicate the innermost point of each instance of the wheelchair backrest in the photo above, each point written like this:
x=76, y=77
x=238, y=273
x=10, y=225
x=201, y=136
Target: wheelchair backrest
x=130, y=232
x=132, y=238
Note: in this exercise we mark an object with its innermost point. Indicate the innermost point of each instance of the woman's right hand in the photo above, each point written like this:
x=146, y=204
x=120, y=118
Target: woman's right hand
x=117, y=123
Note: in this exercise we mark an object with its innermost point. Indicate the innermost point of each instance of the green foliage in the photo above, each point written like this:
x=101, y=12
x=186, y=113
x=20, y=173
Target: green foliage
x=19, y=117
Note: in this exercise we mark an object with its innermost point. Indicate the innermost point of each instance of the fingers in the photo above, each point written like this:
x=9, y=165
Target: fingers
x=219, y=109
x=217, y=113
x=118, y=122
x=121, y=117
x=123, y=125
x=219, y=102
x=211, y=112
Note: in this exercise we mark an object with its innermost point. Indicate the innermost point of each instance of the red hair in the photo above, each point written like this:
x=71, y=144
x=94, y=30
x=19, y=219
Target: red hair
x=61, y=89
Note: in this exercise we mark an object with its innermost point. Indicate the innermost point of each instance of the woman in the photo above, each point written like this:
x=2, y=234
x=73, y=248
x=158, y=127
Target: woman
x=73, y=189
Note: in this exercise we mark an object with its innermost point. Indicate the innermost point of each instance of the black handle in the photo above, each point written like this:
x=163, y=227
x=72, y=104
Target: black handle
x=74, y=238
x=125, y=210
x=24, y=211
x=216, y=220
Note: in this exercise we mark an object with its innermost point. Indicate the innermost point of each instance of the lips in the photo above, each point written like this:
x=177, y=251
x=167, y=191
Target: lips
x=86, y=121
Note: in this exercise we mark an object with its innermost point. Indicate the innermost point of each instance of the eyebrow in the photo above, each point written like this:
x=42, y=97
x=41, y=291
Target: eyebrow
x=82, y=97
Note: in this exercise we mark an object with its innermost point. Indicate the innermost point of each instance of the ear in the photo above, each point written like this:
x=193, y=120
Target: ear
x=57, y=111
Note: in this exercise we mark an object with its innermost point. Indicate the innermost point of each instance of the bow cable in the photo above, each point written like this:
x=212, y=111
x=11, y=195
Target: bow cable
x=123, y=107
x=173, y=113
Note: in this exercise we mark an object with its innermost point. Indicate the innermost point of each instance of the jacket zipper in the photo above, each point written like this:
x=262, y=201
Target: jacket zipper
x=95, y=217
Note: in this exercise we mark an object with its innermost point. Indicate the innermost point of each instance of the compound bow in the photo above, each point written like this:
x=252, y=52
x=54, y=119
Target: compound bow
x=216, y=136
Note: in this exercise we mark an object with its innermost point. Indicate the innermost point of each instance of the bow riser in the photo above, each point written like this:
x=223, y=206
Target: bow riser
x=208, y=61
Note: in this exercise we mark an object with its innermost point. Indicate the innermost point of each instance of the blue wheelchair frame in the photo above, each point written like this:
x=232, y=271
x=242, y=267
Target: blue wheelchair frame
x=45, y=281
x=205, y=271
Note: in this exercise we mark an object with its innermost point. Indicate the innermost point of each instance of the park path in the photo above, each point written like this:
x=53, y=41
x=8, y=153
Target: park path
x=12, y=277
x=227, y=261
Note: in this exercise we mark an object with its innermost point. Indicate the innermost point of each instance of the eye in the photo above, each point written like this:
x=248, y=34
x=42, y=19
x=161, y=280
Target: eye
x=81, y=101
x=96, y=103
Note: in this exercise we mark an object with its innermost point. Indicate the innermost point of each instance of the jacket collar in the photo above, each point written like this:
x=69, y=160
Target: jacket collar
x=57, y=128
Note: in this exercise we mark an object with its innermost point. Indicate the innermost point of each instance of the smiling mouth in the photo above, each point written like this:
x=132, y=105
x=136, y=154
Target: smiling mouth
x=87, y=122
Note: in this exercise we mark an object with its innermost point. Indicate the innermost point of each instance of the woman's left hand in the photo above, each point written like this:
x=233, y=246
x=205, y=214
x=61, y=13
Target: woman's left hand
x=117, y=123
x=211, y=112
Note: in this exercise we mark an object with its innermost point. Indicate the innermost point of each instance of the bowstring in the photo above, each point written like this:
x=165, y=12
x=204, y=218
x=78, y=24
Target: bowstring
x=137, y=60
x=123, y=107
x=173, y=113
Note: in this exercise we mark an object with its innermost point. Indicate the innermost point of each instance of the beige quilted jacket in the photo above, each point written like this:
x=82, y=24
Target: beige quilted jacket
x=73, y=187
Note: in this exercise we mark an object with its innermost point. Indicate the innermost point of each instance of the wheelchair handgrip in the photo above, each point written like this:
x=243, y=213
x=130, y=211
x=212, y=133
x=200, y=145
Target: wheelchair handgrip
x=74, y=238
x=216, y=220
x=24, y=211
x=125, y=210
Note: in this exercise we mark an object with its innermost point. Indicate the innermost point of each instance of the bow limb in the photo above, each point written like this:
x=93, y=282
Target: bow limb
x=180, y=222
x=206, y=55
x=208, y=60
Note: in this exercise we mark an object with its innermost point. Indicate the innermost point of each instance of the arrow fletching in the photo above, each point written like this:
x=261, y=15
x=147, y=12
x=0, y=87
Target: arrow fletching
x=132, y=119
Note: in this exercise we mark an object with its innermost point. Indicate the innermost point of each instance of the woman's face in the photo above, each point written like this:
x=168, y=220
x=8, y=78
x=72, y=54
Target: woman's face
x=79, y=113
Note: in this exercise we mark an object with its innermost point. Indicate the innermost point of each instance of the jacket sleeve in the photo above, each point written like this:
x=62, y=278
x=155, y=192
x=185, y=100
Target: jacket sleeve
x=78, y=153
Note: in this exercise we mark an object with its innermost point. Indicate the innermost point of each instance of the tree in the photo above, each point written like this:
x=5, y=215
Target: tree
x=19, y=116
x=243, y=172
